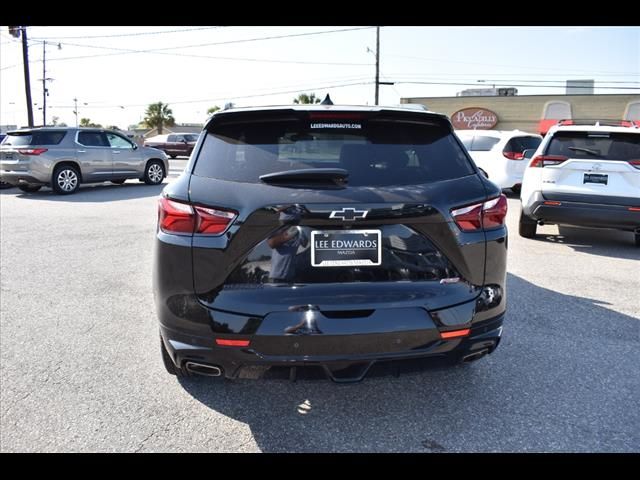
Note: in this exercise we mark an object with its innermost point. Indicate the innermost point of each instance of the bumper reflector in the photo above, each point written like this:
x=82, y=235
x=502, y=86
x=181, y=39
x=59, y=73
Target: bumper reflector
x=634, y=209
x=225, y=342
x=552, y=203
x=454, y=334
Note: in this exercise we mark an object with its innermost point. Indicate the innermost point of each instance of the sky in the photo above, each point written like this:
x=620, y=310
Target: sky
x=116, y=72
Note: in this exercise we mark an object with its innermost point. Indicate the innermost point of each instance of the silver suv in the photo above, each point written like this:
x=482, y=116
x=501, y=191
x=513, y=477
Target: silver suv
x=63, y=158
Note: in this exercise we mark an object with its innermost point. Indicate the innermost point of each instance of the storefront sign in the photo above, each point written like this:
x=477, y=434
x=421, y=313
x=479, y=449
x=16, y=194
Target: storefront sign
x=474, y=118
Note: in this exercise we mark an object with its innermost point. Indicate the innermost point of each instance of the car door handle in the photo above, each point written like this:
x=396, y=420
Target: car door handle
x=82, y=151
x=115, y=151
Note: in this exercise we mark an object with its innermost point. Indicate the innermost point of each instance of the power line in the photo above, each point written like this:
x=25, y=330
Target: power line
x=509, y=85
x=504, y=65
x=135, y=34
x=163, y=50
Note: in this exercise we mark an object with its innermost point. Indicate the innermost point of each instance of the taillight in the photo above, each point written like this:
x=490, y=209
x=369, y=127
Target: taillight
x=635, y=163
x=212, y=221
x=32, y=151
x=513, y=155
x=184, y=219
x=455, y=333
x=175, y=217
x=547, y=160
x=487, y=215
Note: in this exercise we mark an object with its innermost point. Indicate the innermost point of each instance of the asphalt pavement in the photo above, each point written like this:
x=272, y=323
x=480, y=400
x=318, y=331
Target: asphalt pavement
x=80, y=367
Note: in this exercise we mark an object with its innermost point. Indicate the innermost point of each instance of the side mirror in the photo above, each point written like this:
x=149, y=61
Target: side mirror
x=134, y=146
x=528, y=153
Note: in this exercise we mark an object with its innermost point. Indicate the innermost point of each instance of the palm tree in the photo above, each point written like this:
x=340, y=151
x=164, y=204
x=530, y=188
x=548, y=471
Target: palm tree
x=85, y=122
x=213, y=110
x=158, y=115
x=306, y=98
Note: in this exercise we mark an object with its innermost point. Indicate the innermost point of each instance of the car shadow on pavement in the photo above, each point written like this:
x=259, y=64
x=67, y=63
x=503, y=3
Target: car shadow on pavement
x=595, y=241
x=563, y=379
x=94, y=193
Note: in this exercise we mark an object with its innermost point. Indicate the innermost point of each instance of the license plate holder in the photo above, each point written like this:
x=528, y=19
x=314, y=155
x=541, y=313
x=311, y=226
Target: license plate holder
x=346, y=248
x=597, y=178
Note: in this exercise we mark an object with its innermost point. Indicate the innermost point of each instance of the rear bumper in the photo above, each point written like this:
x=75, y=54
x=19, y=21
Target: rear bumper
x=17, y=178
x=344, y=364
x=584, y=214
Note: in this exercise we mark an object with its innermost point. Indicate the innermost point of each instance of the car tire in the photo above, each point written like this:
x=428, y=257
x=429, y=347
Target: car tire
x=172, y=156
x=5, y=185
x=516, y=189
x=118, y=182
x=154, y=173
x=66, y=180
x=169, y=366
x=527, y=226
x=30, y=188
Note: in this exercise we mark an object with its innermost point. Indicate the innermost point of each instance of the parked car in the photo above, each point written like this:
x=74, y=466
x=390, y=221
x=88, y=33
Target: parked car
x=500, y=153
x=328, y=236
x=584, y=175
x=4, y=185
x=63, y=158
x=173, y=144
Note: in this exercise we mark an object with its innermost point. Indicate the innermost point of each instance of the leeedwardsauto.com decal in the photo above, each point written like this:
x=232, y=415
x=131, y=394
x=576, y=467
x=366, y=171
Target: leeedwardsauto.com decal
x=355, y=126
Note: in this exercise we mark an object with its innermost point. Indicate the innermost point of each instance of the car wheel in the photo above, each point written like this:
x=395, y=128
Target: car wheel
x=169, y=366
x=154, y=173
x=4, y=185
x=30, y=188
x=527, y=226
x=118, y=182
x=66, y=180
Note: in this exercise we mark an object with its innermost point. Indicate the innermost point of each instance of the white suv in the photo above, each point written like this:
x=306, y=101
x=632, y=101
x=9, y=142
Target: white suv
x=584, y=175
x=500, y=153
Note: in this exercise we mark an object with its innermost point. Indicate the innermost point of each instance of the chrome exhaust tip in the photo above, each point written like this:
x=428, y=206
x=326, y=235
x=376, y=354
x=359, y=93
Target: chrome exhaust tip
x=202, y=369
x=472, y=357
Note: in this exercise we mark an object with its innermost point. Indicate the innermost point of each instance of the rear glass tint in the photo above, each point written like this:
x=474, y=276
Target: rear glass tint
x=374, y=152
x=520, y=144
x=600, y=145
x=20, y=139
x=479, y=143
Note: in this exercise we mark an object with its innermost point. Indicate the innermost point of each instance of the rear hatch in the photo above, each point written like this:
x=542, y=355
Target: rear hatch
x=336, y=211
x=20, y=146
x=594, y=167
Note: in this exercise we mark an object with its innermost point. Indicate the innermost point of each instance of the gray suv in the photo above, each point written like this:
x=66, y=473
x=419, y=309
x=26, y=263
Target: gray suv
x=63, y=158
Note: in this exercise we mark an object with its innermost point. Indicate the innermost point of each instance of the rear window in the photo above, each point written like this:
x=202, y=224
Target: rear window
x=374, y=152
x=479, y=143
x=20, y=139
x=600, y=145
x=520, y=144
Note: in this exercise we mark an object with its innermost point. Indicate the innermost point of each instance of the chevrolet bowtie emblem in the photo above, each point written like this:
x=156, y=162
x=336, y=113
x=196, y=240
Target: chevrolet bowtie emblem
x=349, y=214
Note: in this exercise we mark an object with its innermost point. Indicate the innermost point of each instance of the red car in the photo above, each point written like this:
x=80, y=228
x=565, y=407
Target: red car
x=173, y=144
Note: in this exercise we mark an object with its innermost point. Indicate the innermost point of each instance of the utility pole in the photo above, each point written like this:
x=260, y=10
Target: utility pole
x=44, y=85
x=27, y=81
x=75, y=110
x=377, y=62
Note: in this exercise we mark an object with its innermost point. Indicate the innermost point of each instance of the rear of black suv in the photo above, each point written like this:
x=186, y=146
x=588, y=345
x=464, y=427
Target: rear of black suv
x=326, y=236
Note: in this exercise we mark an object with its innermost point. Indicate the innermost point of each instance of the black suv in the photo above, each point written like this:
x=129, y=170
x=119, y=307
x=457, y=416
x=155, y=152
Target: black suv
x=330, y=237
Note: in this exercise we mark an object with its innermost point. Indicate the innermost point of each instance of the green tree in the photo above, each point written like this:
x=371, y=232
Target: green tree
x=113, y=127
x=85, y=122
x=158, y=115
x=213, y=110
x=305, y=98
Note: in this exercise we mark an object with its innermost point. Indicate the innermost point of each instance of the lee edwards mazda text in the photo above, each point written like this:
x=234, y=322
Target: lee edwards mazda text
x=339, y=238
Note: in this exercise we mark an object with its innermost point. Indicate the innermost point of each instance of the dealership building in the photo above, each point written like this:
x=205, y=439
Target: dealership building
x=530, y=113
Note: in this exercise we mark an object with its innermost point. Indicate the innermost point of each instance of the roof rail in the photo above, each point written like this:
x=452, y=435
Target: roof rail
x=412, y=106
x=598, y=123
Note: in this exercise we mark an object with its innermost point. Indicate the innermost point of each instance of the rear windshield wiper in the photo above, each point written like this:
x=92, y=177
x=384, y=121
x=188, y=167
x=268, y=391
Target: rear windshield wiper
x=585, y=150
x=308, y=176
